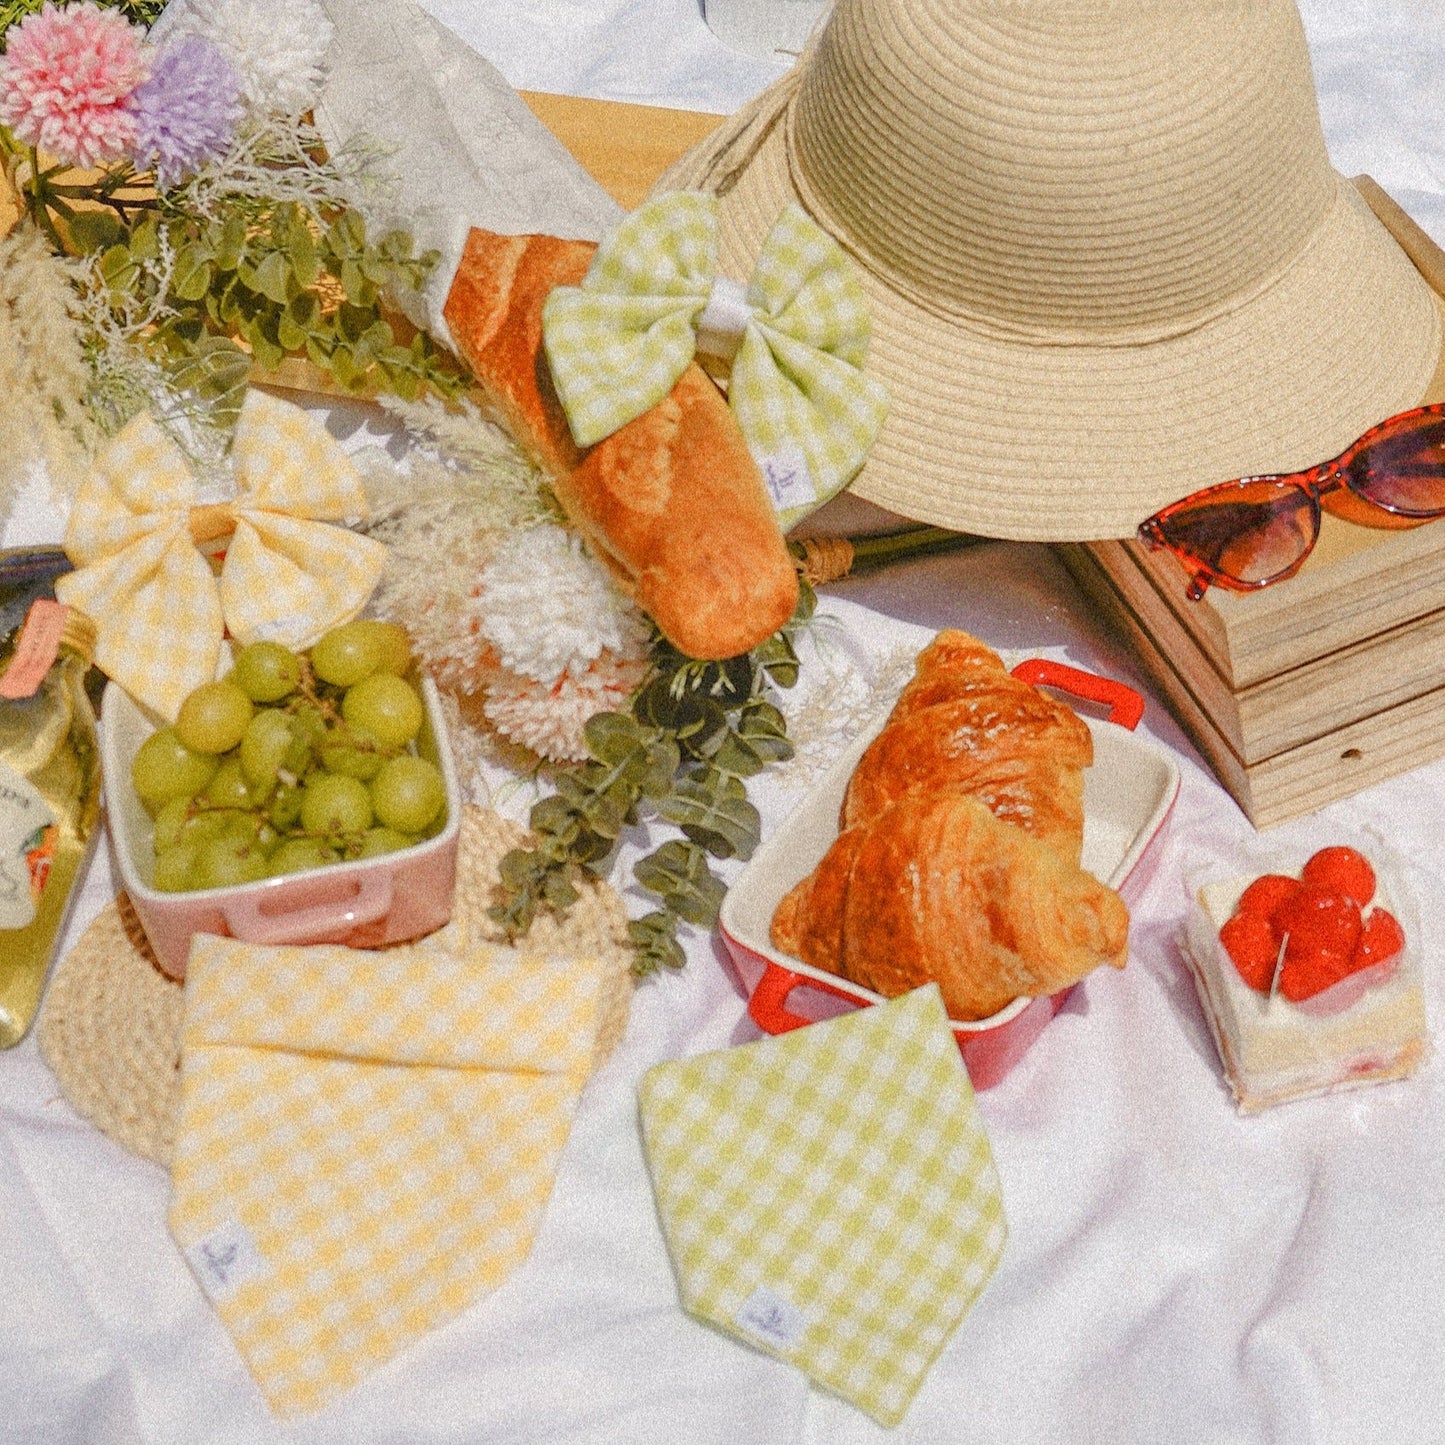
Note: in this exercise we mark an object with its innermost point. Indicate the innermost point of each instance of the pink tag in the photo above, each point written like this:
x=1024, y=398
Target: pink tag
x=35, y=650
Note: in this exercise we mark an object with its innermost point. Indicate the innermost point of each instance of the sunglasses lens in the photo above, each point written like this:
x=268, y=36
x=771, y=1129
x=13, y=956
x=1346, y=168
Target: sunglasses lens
x=1402, y=468
x=1250, y=533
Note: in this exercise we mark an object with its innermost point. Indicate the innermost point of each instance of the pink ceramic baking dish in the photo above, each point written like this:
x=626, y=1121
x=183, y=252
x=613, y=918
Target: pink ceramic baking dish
x=1128, y=794
x=367, y=903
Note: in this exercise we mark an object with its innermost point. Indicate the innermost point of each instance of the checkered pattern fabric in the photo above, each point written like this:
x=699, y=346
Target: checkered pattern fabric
x=159, y=611
x=829, y=1195
x=617, y=344
x=367, y=1140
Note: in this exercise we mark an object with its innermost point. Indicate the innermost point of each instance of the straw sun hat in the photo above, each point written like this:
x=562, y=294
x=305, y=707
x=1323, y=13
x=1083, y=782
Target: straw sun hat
x=1107, y=257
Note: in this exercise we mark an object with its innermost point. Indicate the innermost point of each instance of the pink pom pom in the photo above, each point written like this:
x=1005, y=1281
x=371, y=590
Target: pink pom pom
x=64, y=81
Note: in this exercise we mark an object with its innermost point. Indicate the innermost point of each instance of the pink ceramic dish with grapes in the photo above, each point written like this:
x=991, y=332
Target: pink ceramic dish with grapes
x=365, y=904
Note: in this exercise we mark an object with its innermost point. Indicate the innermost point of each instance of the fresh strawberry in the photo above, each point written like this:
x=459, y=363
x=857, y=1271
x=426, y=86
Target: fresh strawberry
x=1265, y=895
x=1307, y=972
x=1341, y=870
x=1252, y=947
x=1380, y=938
x=1323, y=931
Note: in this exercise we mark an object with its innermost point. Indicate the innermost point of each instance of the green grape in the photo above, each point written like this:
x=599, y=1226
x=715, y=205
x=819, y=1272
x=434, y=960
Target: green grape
x=309, y=722
x=296, y=854
x=348, y=653
x=170, y=823
x=333, y=804
x=213, y=717
x=408, y=793
x=165, y=768
x=395, y=647
x=353, y=752
x=206, y=824
x=175, y=867
x=386, y=706
x=376, y=841
x=266, y=747
x=228, y=787
x=266, y=671
x=285, y=809
x=228, y=860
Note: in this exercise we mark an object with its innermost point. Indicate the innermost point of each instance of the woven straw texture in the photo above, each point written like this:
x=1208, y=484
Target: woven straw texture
x=110, y=1027
x=1107, y=257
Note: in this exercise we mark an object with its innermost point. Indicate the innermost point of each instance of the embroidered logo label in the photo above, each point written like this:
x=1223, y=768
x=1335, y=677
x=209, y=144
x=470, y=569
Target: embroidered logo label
x=225, y=1259
x=771, y=1319
x=790, y=481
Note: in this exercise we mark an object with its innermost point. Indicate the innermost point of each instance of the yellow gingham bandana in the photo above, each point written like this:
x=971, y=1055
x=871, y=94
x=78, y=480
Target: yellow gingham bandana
x=617, y=343
x=159, y=611
x=829, y=1195
x=367, y=1140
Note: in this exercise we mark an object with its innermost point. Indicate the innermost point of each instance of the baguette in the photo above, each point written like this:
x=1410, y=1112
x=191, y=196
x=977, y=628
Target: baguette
x=672, y=502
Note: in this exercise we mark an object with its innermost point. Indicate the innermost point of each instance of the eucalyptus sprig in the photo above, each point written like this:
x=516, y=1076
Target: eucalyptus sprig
x=695, y=732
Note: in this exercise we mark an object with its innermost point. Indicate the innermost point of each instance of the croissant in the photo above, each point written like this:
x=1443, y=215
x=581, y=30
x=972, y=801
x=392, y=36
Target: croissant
x=963, y=719
x=938, y=888
x=957, y=858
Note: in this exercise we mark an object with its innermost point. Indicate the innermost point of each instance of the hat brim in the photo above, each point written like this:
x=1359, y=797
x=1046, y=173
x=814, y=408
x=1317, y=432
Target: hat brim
x=1068, y=442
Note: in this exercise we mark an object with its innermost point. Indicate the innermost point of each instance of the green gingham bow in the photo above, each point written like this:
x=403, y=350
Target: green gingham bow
x=797, y=336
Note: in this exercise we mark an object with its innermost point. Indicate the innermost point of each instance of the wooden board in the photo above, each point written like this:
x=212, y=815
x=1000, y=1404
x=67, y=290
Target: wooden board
x=623, y=147
x=1301, y=779
x=1282, y=711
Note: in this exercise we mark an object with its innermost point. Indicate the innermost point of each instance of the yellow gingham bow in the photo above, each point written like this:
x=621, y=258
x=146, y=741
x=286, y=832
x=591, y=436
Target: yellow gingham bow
x=159, y=609
x=797, y=336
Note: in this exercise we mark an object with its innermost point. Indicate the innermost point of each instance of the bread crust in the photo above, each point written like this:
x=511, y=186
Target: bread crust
x=672, y=502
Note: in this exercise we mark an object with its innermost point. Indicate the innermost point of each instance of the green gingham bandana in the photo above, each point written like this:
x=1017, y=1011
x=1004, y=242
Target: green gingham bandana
x=651, y=298
x=829, y=1196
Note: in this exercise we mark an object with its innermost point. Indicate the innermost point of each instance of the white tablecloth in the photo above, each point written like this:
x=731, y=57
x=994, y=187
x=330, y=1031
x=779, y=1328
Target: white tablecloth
x=1173, y=1273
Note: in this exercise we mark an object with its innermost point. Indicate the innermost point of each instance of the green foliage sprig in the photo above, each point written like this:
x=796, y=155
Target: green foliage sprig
x=695, y=732
x=264, y=281
x=142, y=12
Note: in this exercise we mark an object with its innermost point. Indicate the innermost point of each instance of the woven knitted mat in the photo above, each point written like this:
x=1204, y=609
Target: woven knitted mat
x=110, y=1027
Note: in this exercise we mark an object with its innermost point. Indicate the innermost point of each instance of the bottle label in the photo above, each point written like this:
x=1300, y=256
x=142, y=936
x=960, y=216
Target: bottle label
x=36, y=649
x=28, y=834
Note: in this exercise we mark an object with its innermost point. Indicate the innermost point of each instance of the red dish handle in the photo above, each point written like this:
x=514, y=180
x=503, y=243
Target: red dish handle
x=1125, y=705
x=766, y=1005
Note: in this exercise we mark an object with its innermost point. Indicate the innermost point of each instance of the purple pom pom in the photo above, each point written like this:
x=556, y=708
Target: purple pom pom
x=186, y=112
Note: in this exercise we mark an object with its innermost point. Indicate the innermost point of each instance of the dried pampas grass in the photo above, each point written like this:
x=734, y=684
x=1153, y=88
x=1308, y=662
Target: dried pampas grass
x=44, y=378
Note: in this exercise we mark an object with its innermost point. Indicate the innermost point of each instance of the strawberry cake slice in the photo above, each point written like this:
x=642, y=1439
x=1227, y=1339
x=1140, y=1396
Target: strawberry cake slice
x=1309, y=983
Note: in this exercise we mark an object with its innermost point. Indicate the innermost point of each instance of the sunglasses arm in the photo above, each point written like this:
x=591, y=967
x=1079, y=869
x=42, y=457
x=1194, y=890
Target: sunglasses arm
x=1199, y=578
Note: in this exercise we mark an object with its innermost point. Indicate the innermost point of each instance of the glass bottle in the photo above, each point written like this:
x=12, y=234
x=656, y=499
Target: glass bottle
x=49, y=777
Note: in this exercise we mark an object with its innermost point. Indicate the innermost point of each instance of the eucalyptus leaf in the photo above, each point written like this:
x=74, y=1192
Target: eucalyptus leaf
x=291, y=336
x=191, y=278
x=92, y=231
x=270, y=278
x=145, y=240
x=715, y=810
x=678, y=872
x=654, y=942
x=231, y=244
x=612, y=737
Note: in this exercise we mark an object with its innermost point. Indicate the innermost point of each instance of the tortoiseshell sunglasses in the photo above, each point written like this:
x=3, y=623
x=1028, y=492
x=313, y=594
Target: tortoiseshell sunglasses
x=1256, y=531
